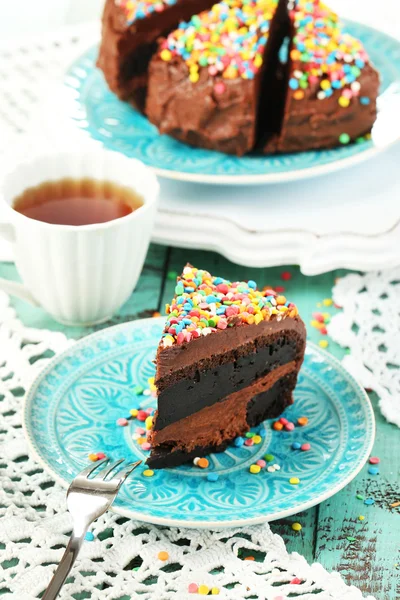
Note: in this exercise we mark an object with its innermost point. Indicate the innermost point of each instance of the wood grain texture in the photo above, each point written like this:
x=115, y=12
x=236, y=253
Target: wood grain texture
x=370, y=561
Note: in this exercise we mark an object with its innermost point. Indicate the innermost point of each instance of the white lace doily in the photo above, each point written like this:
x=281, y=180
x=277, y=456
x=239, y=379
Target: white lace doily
x=122, y=560
x=369, y=325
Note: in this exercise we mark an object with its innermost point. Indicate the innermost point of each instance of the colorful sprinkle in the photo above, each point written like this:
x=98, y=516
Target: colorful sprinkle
x=249, y=558
x=286, y=275
x=203, y=304
x=148, y=473
x=323, y=343
x=359, y=497
x=373, y=471
x=134, y=412
x=344, y=138
x=289, y=426
x=249, y=442
x=369, y=501
x=214, y=591
x=203, y=463
x=203, y=590
x=395, y=504
x=296, y=446
x=296, y=581
x=294, y=480
x=93, y=457
x=305, y=447
x=261, y=463
x=146, y=446
x=302, y=421
x=138, y=390
x=163, y=555
x=89, y=537
x=296, y=527
x=212, y=477
x=142, y=415
x=238, y=442
x=277, y=426
x=257, y=439
x=361, y=518
x=374, y=460
x=193, y=588
x=122, y=422
x=269, y=457
x=254, y=469
x=350, y=539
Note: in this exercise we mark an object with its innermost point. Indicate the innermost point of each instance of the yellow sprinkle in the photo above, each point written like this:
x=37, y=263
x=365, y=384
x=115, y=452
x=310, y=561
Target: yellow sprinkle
x=323, y=343
x=255, y=469
x=296, y=527
x=165, y=55
x=92, y=457
x=258, y=318
x=344, y=102
x=327, y=302
x=151, y=380
x=258, y=61
x=294, y=480
x=148, y=473
x=134, y=412
x=326, y=316
x=203, y=590
x=214, y=591
x=194, y=77
x=149, y=422
x=325, y=84
x=257, y=439
x=361, y=518
x=316, y=324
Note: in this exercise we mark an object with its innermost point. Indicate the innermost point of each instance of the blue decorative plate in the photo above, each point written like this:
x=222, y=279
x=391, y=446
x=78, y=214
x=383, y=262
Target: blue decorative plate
x=72, y=408
x=119, y=127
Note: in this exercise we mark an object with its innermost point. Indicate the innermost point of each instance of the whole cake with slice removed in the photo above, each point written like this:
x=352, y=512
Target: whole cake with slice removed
x=228, y=359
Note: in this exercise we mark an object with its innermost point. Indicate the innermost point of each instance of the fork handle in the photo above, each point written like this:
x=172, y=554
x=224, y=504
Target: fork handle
x=65, y=566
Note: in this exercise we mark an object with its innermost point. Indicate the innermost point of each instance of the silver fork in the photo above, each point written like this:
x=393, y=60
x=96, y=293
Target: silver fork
x=87, y=499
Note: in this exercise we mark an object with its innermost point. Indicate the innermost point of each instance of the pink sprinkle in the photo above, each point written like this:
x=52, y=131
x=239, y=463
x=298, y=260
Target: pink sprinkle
x=100, y=455
x=283, y=421
x=289, y=426
x=305, y=447
x=193, y=588
x=140, y=430
x=142, y=415
x=222, y=324
x=347, y=93
x=278, y=598
x=180, y=338
x=212, y=69
x=146, y=446
x=149, y=411
x=261, y=463
x=374, y=460
x=249, y=442
x=219, y=87
x=318, y=317
x=122, y=422
x=296, y=581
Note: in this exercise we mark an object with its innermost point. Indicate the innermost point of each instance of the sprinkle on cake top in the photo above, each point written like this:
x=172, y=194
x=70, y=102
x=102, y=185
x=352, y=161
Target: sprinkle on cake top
x=140, y=9
x=229, y=39
x=204, y=303
x=327, y=54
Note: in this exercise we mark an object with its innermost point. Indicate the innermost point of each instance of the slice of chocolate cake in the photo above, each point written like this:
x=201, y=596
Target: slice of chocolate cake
x=206, y=79
x=228, y=359
x=130, y=29
x=331, y=85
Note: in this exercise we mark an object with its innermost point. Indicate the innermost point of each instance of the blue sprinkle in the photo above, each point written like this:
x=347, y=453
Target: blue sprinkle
x=365, y=100
x=296, y=446
x=221, y=310
x=252, y=284
x=373, y=471
x=180, y=300
x=89, y=537
x=187, y=321
x=293, y=83
x=360, y=63
x=369, y=501
x=336, y=84
x=211, y=299
x=218, y=280
x=212, y=477
x=238, y=442
x=328, y=93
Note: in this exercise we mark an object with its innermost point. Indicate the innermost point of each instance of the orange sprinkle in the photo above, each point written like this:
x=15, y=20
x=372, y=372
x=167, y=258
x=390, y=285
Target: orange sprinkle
x=302, y=421
x=394, y=504
x=298, y=95
x=163, y=555
x=249, y=558
x=277, y=426
x=203, y=463
x=156, y=314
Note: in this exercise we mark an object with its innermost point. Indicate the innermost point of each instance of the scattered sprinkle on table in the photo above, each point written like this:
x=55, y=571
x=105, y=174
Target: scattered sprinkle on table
x=146, y=446
x=374, y=460
x=294, y=480
x=212, y=477
x=149, y=423
x=142, y=415
x=359, y=497
x=350, y=539
x=277, y=426
x=148, y=473
x=163, y=555
x=172, y=275
x=327, y=301
x=202, y=463
x=305, y=447
x=269, y=457
x=257, y=439
x=369, y=501
x=156, y=314
x=261, y=463
x=254, y=469
x=361, y=518
x=296, y=581
x=249, y=442
x=323, y=343
x=203, y=590
x=249, y=558
x=214, y=591
x=138, y=390
x=286, y=275
x=373, y=471
x=302, y=421
x=296, y=527
x=238, y=442
x=192, y=588
x=133, y=412
x=395, y=504
x=296, y=446
x=122, y=422
x=89, y=537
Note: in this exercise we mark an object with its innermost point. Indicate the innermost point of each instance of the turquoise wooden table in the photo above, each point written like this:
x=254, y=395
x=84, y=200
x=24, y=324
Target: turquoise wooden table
x=365, y=551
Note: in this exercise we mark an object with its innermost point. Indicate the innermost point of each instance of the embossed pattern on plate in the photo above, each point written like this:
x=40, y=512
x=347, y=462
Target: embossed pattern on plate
x=72, y=408
x=115, y=124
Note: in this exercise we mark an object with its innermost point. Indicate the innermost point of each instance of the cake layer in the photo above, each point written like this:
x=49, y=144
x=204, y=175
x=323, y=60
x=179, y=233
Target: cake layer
x=265, y=404
x=206, y=79
x=240, y=368
x=130, y=30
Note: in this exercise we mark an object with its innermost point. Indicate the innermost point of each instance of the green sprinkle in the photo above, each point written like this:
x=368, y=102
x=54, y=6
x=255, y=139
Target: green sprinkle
x=138, y=389
x=179, y=289
x=249, y=434
x=344, y=138
x=172, y=275
x=360, y=497
x=350, y=539
x=269, y=457
x=211, y=323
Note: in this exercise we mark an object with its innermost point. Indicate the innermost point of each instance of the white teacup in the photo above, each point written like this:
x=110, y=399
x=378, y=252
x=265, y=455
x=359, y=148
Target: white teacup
x=81, y=275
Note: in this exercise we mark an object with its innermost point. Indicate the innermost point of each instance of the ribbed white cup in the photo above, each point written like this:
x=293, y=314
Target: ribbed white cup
x=80, y=275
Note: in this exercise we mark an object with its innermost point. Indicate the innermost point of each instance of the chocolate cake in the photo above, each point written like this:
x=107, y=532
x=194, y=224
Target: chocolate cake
x=331, y=85
x=228, y=359
x=130, y=29
x=209, y=74
x=205, y=80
